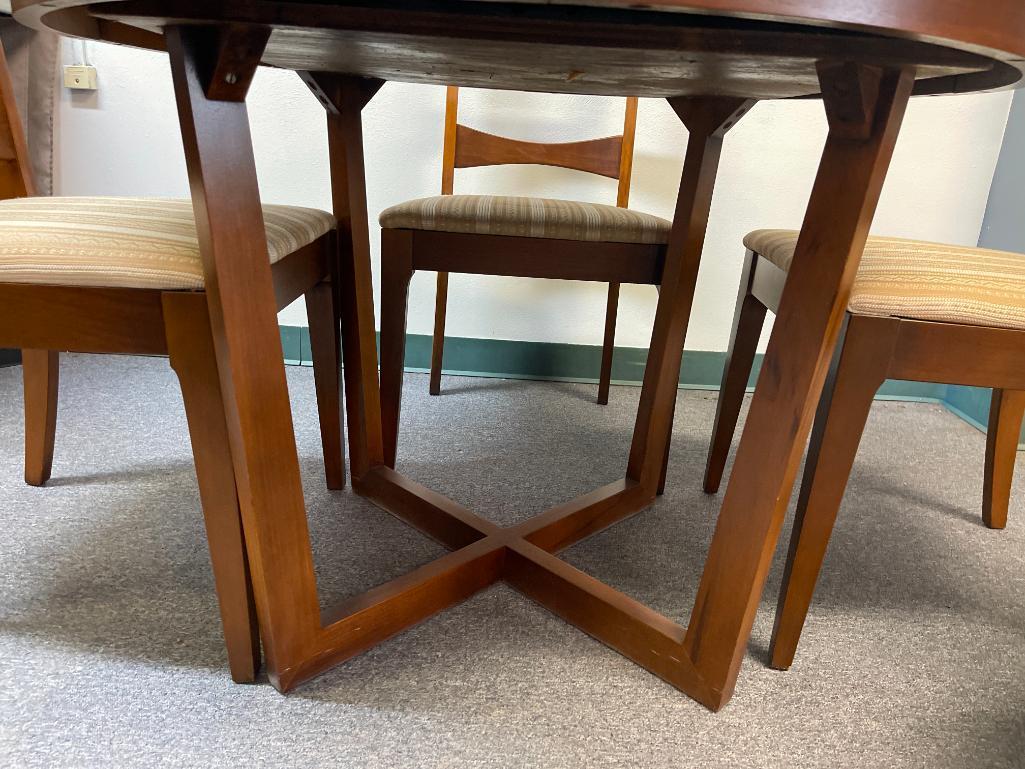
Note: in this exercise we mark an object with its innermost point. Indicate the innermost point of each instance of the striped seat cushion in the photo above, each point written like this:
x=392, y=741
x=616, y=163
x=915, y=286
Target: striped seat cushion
x=923, y=281
x=126, y=242
x=527, y=218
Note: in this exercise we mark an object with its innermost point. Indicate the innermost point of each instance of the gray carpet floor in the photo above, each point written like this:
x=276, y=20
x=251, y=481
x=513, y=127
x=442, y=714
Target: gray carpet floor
x=111, y=655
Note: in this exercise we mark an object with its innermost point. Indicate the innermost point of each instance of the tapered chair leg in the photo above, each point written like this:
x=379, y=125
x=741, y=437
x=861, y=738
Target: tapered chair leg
x=41, y=369
x=326, y=346
x=857, y=372
x=608, y=345
x=665, y=457
x=438, y=342
x=190, y=344
x=1005, y=417
x=748, y=319
x=396, y=272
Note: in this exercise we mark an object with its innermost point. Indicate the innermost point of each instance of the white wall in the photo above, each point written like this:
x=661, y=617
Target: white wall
x=124, y=140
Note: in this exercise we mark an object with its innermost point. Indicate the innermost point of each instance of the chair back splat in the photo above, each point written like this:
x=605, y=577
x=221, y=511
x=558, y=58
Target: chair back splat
x=611, y=156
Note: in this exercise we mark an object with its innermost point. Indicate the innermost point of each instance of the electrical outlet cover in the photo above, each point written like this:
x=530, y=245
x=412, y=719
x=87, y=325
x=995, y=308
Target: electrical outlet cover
x=80, y=77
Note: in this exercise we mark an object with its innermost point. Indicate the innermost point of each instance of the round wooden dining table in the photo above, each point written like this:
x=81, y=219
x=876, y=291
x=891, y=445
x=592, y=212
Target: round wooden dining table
x=712, y=60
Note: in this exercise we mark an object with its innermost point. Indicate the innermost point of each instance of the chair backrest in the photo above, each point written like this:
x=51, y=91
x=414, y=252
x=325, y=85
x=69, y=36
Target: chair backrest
x=15, y=173
x=466, y=147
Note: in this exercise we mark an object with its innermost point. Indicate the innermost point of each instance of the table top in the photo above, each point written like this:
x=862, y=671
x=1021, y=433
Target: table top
x=749, y=48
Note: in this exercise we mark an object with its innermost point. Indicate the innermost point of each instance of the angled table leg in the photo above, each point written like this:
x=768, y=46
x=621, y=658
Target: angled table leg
x=396, y=273
x=240, y=295
x=344, y=98
x=707, y=119
x=865, y=107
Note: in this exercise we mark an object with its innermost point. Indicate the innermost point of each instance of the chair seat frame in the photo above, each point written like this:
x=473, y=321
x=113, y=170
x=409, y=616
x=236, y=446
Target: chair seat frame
x=871, y=350
x=46, y=319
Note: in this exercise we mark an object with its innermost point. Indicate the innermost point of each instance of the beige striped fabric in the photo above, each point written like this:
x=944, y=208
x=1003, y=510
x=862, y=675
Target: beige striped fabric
x=923, y=281
x=126, y=242
x=527, y=218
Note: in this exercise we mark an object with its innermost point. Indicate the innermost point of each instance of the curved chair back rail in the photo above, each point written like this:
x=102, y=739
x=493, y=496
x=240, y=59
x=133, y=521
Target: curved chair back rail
x=610, y=156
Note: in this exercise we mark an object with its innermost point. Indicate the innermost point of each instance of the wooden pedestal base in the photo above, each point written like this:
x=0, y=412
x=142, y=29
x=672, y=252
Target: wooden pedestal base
x=864, y=105
x=524, y=556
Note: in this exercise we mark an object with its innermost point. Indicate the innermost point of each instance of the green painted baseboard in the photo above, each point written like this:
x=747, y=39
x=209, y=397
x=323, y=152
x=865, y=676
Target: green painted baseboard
x=701, y=370
x=971, y=404
x=506, y=359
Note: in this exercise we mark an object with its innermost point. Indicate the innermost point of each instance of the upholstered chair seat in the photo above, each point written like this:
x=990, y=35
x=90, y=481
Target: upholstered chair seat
x=126, y=242
x=919, y=280
x=528, y=218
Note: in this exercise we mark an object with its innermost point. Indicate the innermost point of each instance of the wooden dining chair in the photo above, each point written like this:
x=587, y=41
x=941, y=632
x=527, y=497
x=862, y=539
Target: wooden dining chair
x=123, y=275
x=487, y=222
x=918, y=311
x=512, y=236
